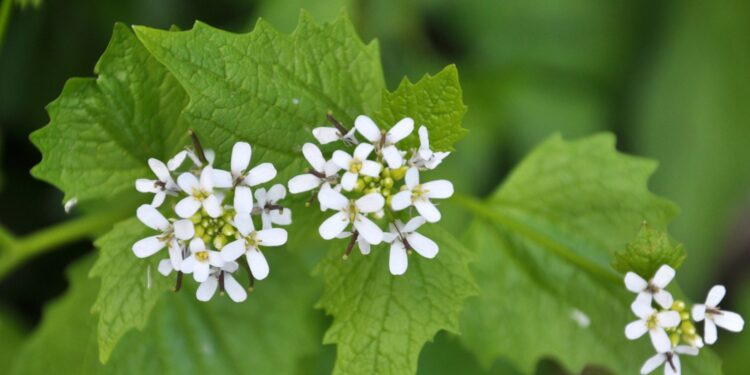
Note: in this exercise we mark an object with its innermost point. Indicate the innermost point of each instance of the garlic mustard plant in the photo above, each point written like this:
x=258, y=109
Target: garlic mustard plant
x=370, y=184
x=212, y=221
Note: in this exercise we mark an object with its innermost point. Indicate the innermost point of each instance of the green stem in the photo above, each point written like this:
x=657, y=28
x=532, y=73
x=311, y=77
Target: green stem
x=23, y=249
x=481, y=209
x=5, y=10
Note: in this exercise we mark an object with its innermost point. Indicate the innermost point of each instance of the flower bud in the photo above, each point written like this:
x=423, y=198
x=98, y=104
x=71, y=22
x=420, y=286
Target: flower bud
x=678, y=305
x=399, y=173
x=674, y=337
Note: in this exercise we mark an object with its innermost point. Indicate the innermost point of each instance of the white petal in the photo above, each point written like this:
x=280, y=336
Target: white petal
x=187, y=207
x=244, y=224
x=276, y=193
x=235, y=291
x=364, y=246
x=389, y=237
x=261, y=174
x=197, y=244
x=233, y=250
x=686, y=349
x=730, y=321
x=412, y=178
x=314, y=156
x=635, y=329
x=188, y=264
x=401, y=130
x=222, y=179
x=660, y=340
x=333, y=226
x=370, y=203
x=184, y=229
x=330, y=168
x=422, y=245
x=635, y=283
x=241, y=153
x=230, y=266
x=326, y=135
x=341, y=159
x=644, y=299
x=424, y=139
x=188, y=182
x=281, y=217
x=370, y=168
x=413, y=224
x=212, y=206
x=398, y=260
x=368, y=230
x=261, y=197
x=669, y=319
x=401, y=200
x=664, y=299
x=663, y=276
x=303, y=182
x=641, y=308
x=151, y=217
x=207, y=179
x=148, y=246
x=165, y=267
x=177, y=160
x=427, y=210
x=715, y=295
x=207, y=289
x=160, y=169
x=439, y=189
x=367, y=128
x=144, y=185
x=349, y=181
x=332, y=199
x=393, y=157
x=214, y=259
x=699, y=312
x=201, y=272
x=669, y=370
x=257, y=263
x=210, y=156
x=158, y=199
x=709, y=331
x=653, y=363
x=175, y=254
x=243, y=199
x=362, y=151
x=272, y=237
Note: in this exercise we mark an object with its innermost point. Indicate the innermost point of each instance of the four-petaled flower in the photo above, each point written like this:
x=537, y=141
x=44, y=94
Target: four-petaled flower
x=200, y=260
x=249, y=244
x=404, y=237
x=160, y=187
x=425, y=157
x=322, y=171
x=385, y=142
x=356, y=164
x=653, y=322
x=669, y=359
x=223, y=276
x=714, y=316
x=171, y=234
x=351, y=212
x=270, y=211
x=419, y=195
x=652, y=289
x=200, y=193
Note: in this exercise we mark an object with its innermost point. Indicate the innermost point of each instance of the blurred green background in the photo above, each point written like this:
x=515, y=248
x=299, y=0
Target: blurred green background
x=670, y=78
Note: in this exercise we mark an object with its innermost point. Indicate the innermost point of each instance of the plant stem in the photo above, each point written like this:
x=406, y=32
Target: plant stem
x=481, y=209
x=5, y=10
x=22, y=249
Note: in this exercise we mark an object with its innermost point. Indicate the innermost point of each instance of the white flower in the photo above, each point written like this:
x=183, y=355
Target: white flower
x=200, y=193
x=425, y=157
x=171, y=234
x=351, y=212
x=250, y=243
x=715, y=316
x=322, y=171
x=356, y=165
x=175, y=162
x=386, y=142
x=670, y=359
x=270, y=211
x=200, y=260
x=652, y=289
x=241, y=154
x=162, y=186
x=403, y=238
x=328, y=134
x=165, y=267
x=364, y=246
x=419, y=195
x=207, y=289
x=653, y=322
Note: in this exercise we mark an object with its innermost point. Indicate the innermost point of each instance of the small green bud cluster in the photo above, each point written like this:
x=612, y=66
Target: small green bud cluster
x=216, y=231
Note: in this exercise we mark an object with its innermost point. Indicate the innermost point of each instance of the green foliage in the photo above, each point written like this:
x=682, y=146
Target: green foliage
x=219, y=336
x=12, y=337
x=544, y=244
x=647, y=252
x=381, y=322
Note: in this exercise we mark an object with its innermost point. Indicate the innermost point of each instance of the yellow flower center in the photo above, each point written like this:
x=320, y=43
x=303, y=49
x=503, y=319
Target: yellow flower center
x=355, y=165
x=652, y=322
x=202, y=256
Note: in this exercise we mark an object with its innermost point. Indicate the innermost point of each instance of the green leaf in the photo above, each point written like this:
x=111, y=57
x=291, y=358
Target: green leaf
x=125, y=299
x=12, y=336
x=434, y=101
x=185, y=336
x=103, y=130
x=647, y=252
x=268, y=88
x=381, y=321
x=544, y=246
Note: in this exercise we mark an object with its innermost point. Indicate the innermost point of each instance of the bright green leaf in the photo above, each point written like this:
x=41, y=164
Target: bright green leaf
x=647, y=252
x=545, y=242
x=12, y=336
x=381, y=321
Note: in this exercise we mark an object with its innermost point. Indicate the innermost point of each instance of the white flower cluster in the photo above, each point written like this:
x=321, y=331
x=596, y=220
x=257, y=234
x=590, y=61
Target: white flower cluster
x=668, y=322
x=375, y=184
x=214, y=224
